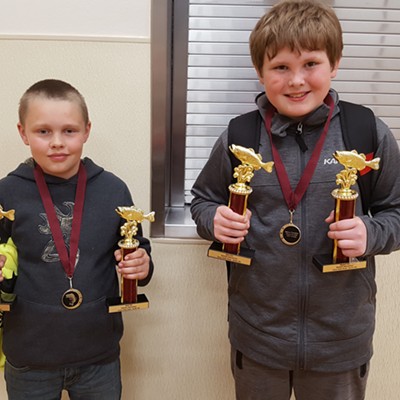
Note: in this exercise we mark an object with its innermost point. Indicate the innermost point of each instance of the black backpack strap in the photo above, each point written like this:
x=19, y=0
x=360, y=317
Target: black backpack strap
x=359, y=133
x=244, y=130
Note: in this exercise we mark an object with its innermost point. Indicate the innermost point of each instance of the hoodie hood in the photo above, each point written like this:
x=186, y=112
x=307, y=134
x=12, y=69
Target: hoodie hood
x=25, y=171
x=281, y=123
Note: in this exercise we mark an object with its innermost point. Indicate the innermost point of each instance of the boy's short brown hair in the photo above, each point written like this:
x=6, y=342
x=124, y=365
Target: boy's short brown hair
x=297, y=25
x=52, y=89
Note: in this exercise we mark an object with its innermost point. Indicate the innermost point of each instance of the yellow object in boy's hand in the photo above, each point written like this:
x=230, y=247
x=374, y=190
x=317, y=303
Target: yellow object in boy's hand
x=11, y=265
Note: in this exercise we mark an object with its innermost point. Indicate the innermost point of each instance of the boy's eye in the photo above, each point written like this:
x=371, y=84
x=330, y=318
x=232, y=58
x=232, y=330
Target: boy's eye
x=43, y=131
x=311, y=64
x=281, y=67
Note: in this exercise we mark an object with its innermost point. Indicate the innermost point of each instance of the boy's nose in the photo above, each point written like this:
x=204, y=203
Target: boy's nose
x=297, y=79
x=56, y=140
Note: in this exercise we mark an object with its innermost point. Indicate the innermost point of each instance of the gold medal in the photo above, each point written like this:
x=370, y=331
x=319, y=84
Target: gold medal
x=71, y=299
x=290, y=233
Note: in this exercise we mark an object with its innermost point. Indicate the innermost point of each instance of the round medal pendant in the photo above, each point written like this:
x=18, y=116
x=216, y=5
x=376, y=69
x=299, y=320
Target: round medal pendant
x=290, y=234
x=71, y=299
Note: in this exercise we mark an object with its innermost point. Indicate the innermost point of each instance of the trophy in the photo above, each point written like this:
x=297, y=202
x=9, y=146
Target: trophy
x=129, y=299
x=9, y=271
x=238, y=195
x=345, y=203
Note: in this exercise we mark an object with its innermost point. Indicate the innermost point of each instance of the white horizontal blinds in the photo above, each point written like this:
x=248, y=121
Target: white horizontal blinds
x=223, y=84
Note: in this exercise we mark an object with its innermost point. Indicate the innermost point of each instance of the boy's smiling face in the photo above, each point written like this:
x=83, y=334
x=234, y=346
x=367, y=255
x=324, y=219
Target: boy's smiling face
x=56, y=131
x=296, y=84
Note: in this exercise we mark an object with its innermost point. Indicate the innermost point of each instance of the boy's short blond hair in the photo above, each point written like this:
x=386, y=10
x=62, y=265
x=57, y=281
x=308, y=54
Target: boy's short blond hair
x=52, y=89
x=297, y=25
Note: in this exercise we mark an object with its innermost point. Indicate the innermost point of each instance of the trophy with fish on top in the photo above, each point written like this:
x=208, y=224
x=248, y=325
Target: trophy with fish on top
x=238, y=195
x=129, y=299
x=345, y=204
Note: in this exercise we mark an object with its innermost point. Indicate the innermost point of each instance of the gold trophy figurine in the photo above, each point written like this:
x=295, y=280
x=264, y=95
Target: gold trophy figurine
x=345, y=204
x=9, y=271
x=238, y=195
x=130, y=299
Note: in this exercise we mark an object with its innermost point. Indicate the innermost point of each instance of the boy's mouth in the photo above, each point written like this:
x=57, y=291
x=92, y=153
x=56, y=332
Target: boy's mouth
x=58, y=156
x=297, y=95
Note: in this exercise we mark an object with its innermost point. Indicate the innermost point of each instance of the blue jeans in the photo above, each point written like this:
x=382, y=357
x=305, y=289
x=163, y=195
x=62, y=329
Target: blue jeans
x=93, y=382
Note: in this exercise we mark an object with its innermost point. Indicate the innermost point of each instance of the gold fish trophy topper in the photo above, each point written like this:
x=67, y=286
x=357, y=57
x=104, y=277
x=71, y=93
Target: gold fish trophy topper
x=352, y=162
x=129, y=299
x=10, y=214
x=238, y=195
x=345, y=205
x=250, y=162
x=133, y=216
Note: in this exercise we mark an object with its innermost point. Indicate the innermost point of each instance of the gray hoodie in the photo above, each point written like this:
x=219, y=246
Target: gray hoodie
x=283, y=312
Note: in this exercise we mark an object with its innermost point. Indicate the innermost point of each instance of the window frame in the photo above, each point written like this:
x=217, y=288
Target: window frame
x=169, y=44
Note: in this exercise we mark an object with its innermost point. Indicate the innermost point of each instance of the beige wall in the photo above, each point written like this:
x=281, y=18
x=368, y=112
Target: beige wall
x=177, y=349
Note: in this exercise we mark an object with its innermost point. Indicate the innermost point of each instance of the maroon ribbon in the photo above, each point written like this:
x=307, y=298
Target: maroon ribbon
x=67, y=261
x=293, y=198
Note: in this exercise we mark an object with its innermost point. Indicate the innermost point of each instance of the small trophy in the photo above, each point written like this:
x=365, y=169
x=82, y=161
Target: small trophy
x=239, y=193
x=129, y=299
x=7, y=286
x=345, y=203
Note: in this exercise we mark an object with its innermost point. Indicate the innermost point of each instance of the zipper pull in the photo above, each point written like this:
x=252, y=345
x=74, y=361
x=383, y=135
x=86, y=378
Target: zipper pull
x=299, y=138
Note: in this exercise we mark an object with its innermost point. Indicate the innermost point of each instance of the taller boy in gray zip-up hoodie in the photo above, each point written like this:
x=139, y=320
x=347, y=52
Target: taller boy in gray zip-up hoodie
x=290, y=325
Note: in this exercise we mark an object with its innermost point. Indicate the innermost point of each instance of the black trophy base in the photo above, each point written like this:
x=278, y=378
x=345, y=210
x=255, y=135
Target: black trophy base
x=324, y=263
x=114, y=304
x=244, y=257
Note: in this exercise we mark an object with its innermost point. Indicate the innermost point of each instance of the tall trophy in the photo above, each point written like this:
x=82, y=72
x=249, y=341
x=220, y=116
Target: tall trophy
x=345, y=203
x=238, y=195
x=9, y=270
x=129, y=298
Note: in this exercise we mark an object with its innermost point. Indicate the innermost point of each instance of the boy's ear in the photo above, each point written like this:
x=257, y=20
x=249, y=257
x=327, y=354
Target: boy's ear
x=87, y=130
x=335, y=69
x=260, y=77
x=21, y=131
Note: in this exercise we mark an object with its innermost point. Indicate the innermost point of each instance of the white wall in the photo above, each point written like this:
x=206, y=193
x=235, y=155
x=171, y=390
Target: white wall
x=104, y=18
x=178, y=348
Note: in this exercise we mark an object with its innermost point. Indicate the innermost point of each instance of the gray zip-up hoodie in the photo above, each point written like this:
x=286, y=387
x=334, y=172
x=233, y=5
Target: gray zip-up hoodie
x=283, y=312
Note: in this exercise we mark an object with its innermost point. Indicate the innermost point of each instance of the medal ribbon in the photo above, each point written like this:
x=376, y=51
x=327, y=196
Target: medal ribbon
x=67, y=261
x=293, y=198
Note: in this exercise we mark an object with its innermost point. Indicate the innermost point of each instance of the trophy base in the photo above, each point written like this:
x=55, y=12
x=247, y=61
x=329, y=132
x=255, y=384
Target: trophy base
x=5, y=306
x=324, y=263
x=6, y=301
x=244, y=257
x=114, y=304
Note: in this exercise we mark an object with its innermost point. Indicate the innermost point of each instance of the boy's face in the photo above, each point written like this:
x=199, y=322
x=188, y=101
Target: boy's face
x=296, y=84
x=56, y=132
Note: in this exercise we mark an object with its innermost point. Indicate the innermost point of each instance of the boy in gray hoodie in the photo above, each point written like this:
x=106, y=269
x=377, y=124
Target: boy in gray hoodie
x=292, y=327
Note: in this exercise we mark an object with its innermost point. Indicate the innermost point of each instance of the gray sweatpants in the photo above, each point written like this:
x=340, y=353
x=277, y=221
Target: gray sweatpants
x=254, y=381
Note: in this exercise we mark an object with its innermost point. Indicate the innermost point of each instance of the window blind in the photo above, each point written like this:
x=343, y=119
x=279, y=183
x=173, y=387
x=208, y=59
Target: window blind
x=222, y=82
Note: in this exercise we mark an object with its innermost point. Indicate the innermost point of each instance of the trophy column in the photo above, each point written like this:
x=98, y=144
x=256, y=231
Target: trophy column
x=238, y=196
x=238, y=203
x=129, y=299
x=345, y=206
x=128, y=286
